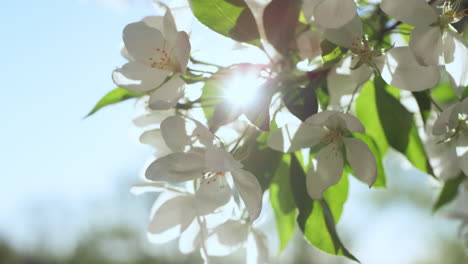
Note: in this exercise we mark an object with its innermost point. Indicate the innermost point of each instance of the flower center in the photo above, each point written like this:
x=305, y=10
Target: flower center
x=162, y=60
x=214, y=177
x=450, y=13
x=332, y=136
x=363, y=52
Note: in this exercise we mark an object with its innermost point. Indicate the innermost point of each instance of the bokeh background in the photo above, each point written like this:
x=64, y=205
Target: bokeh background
x=65, y=180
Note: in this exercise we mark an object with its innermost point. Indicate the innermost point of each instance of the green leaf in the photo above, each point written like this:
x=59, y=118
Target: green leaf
x=282, y=201
x=449, y=192
x=381, y=180
x=316, y=230
x=302, y=102
x=443, y=93
x=301, y=198
x=231, y=18
x=115, y=96
x=424, y=103
x=280, y=19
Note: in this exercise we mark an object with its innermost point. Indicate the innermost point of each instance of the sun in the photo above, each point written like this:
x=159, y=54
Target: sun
x=244, y=89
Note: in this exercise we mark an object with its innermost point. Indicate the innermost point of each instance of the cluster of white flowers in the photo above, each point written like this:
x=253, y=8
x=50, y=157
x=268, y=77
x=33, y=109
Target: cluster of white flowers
x=207, y=199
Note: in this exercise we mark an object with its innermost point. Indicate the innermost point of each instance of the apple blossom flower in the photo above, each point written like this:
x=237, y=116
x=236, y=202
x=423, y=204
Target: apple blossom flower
x=433, y=40
x=157, y=55
x=397, y=66
x=330, y=130
x=329, y=13
x=452, y=126
x=195, y=156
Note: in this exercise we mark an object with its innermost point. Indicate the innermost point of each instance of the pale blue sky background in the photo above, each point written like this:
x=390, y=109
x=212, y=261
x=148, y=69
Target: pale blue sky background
x=57, y=57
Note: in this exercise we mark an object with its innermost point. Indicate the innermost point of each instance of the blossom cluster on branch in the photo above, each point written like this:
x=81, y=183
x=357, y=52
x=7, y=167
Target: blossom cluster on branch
x=347, y=80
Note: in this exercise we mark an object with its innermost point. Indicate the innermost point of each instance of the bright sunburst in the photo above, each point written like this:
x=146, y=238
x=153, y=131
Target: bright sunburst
x=244, y=89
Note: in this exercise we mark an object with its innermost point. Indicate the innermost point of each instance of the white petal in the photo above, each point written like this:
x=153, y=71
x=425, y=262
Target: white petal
x=211, y=195
x=177, y=213
x=174, y=132
x=141, y=40
x=446, y=121
x=292, y=138
x=250, y=191
x=226, y=238
x=169, y=28
x=177, y=167
x=414, y=12
x=257, y=249
x=168, y=94
x=308, y=7
x=324, y=118
x=346, y=35
x=190, y=239
x=334, y=13
x=361, y=159
x=458, y=68
x=182, y=50
x=427, y=44
x=154, y=138
x=403, y=71
x=154, y=22
x=327, y=172
x=309, y=44
x=138, y=77
x=462, y=150
x=219, y=160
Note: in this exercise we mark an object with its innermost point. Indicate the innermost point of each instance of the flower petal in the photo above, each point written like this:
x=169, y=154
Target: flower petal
x=257, y=249
x=403, y=71
x=171, y=218
x=361, y=159
x=324, y=118
x=182, y=50
x=138, y=77
x=327, y=172
x=334, y=13
x=169, y=29
x=291, y=139
x=446, y=121
x=141, y=40
x=168, y=94
x=428, y=45
x=154, y=138
x=211, y=195
x=462, y=150
x=348, y=34
x=458, y=68
x=309, y=44
x=249, y=190
x=219, y=160
x=174, y=132
x=227, y=237
x=177, y=167
x=417, y=13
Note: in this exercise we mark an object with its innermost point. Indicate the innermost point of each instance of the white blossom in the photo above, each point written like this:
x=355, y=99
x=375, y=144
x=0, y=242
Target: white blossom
x=331, y=131
x=156, y=51
x=329, y=13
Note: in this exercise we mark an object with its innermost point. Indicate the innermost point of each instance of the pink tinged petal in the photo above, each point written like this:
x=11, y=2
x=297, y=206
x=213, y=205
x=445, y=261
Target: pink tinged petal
x=175, y=214
x=182, y=50
x=168, y=94
x=257, y=249
x=249, y=190
x=309, y=44
x=327, y=172
x=427, y=45
x=403, y=71
x=291, y=139
x=462, y=150
x=348, y=34
x=227, y=238
x=138, y=77
x=458, y=68
x=361, y=159
x=334, y=13
x=446, y=121
x=141, y=40
x=417, y=13
x=211, y=195
x=174, y=133
x=177, y=167
x=219, y=160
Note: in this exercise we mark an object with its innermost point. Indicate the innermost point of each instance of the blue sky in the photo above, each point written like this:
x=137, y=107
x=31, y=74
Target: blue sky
x=57, y=61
